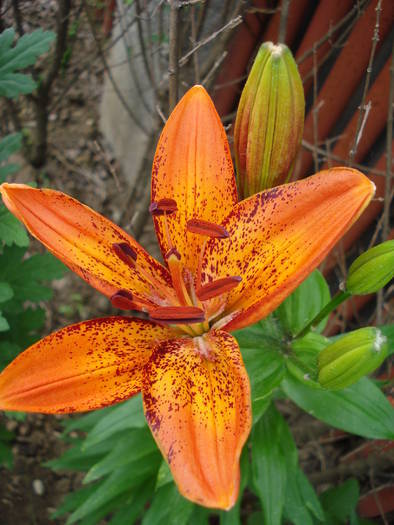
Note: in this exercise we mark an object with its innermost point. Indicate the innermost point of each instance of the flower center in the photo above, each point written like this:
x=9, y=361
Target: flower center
x=193, y=305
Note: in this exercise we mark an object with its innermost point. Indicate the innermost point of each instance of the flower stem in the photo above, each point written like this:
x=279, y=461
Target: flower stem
x=338, y=299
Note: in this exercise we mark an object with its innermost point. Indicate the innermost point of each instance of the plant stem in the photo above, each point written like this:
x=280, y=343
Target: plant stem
x=338, y=299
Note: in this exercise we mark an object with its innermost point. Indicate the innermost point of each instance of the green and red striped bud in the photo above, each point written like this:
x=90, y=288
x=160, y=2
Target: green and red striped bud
x=269, y=122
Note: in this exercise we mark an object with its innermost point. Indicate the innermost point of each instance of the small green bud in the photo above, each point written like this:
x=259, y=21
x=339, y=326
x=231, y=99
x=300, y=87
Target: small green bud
x=270, y=121
x=372, y=270
x=353, y=356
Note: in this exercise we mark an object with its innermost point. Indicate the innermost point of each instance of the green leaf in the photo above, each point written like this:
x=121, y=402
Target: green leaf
x=304, y=304
x=4, y=325
x=134, y=506
x=79, y=459
x=388, y=331
x=169, y=507
x=25, y=327
x=9, y=145
x=261, y=351
x=6, y=457
x=25, y=53
x=361, y=409
x=120, y=481
x=127, y=449
x=8, y=352
x=301, y=502
x=340, y=502
x=125, y=416
x=14, y=84
x=74, y=500
x=270, y=463
x=6, y=292
x=11, y=230
x=25, y=275
x=266, y=369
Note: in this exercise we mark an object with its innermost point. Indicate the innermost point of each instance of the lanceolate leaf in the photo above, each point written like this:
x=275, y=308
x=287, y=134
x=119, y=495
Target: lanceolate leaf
x=361, y=409
x=304, y=304
x=270, y=464
x=168, y=507
x=11, y=231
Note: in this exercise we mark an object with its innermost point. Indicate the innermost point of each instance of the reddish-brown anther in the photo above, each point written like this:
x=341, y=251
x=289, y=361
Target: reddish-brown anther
x=163, y=206
x=123, y=300
x=207, y=228
x=177, y=315
x=125, y=252
x=218, y=287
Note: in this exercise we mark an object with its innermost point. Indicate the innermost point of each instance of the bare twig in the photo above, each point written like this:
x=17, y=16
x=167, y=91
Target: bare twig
x=206, y=80
x=387, y=188
x=230, y=25
x=193, y=41
x=173, y=66
x=284, y=13
x=357, y=10
x=364, y=110
x=122, y=100
x=315, y=110
x=42, y=97
x=18, y=17
x=310, y=147
x=100, y=150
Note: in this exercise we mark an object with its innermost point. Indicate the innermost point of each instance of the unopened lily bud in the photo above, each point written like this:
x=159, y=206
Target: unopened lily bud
x=269, y=122
x=347, y=360
x=372, y=270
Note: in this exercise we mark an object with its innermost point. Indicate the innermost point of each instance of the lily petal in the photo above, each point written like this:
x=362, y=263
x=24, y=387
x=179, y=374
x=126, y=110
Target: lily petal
x=277, y=237
x=197, y=402
x=193, y=166
x=82, y=367
x=83, y=240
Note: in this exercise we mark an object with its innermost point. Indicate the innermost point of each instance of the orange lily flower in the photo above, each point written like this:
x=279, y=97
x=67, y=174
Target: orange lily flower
x=228, y=264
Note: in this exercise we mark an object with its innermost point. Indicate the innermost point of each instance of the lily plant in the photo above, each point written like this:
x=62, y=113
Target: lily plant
x=227, y=264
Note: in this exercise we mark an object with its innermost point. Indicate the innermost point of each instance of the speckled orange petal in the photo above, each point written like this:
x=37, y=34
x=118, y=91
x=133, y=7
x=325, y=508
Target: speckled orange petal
x=83, y=240
x=277, y=237
x=197, y=402
x=193, y=166
x=82, y=367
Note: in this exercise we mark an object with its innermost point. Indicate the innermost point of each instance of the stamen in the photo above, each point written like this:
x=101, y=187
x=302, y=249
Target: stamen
x=207, y=228
x=218, y=287
x=177, y=315
x=123, y=300
x=163, y=206
x=125, y=252
x=175, y=266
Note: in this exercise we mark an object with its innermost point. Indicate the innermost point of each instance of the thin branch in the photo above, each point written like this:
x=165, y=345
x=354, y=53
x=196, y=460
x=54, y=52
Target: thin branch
x=173, y=65
x=387, y=188
x=18, y=17
x=107, y=69
x=310, y=147
x=363, y=108
x=193, y=41
x=230, y=25
x=284, y=14
x=357, y=10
